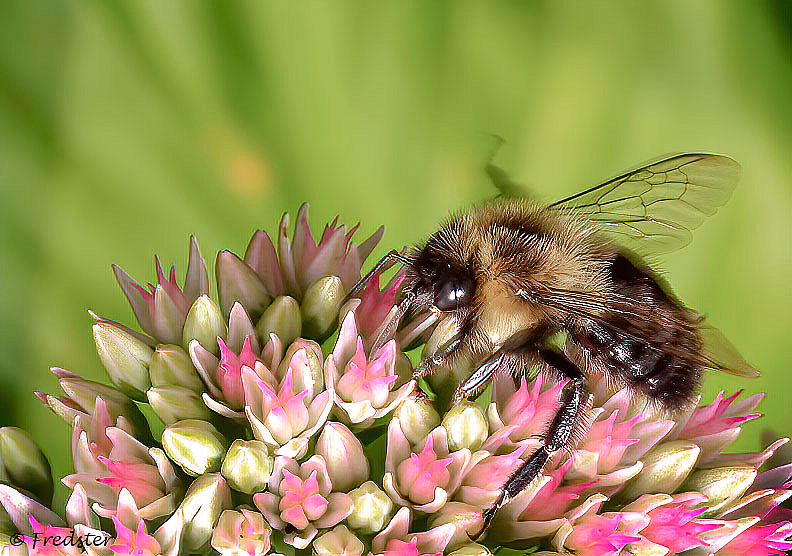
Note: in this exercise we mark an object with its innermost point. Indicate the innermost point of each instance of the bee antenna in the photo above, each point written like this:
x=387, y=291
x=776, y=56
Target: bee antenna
x=383, y=264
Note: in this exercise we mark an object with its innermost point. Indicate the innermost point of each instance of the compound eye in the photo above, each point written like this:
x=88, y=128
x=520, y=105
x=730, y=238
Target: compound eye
x=453, y=293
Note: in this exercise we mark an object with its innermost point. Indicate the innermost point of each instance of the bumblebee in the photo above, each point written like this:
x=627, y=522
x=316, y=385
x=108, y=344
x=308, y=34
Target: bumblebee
x=509, y=274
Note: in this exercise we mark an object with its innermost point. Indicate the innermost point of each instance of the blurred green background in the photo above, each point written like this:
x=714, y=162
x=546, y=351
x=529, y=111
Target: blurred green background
x=127, y=126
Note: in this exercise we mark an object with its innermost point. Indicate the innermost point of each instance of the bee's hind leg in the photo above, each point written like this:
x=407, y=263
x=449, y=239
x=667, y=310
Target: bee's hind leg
x=558, y=436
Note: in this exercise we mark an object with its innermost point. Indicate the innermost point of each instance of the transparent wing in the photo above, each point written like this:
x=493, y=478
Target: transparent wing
x=653, y=209
x=720, y=354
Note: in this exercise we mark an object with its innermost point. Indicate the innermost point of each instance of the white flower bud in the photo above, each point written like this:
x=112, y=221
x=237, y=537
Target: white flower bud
x=466, y=425
x=248, y=465
x=721, y=486
x=125, y=357
x=417, y=417
x=343, y=453
x=319, y=307
x=195, y=445
x=171, y=366
x=204, y=323
x=338, y=542
x=371, y=508
x=665, y=467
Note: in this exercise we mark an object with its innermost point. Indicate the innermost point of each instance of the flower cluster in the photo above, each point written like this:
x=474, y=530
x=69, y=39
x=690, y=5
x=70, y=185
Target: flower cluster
x=282, y=431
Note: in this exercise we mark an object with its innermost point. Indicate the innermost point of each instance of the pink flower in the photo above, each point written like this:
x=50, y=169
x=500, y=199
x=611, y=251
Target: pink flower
x=229, y=372
x=715, y=426
x=285, y=416
x=424, y=479
x=422, y=473
x=304, y=501
x=161, y=308
x=223, y=376
x=518, y=416
x=134, y=542
x=396, y=547
x=397, y=536
x=374, y=308
x=598, y=535
x=118, y=461
x=242, y=532
x=366, y=388
x=91, y=401
x=482, y=485
x=539, y=510
x=62, y=541
x=301, y=261
x=760, y=540
x=611, y=449
x=676, y=528
x=672, y=521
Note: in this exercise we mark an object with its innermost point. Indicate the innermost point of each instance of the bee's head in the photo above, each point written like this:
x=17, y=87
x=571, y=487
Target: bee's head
x=440, y=274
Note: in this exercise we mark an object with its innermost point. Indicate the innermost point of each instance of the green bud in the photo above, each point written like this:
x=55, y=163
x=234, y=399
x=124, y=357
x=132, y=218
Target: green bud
x=444, y=380
x=338, y=542
x=236, y=281
x=125, y=358
x=281, y=318
x=343, y=453
x=471, y=549
x=204, y=323
x=24, y=464
x=665, y=467
x=171, y=366
x=203, y=503
x=466, y=425
x=248, y=465
x=371, y=508
x=84, y=393
x=194, y=445
x=721, y=486
x=174, y=403
x=320, y=307
x=417, y=417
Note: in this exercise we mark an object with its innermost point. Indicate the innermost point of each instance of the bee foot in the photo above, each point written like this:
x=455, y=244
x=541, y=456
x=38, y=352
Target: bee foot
x=459, y=395
x=418, y=394
x=487, y=519
x=424, y=368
